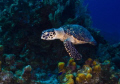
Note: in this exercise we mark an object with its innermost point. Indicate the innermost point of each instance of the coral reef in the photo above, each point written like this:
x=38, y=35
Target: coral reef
x=92, y=72
x=6, y=77
x=26, y=59
x=20, y=32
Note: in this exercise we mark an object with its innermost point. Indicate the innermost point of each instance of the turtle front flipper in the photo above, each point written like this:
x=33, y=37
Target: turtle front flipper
x=71, y=50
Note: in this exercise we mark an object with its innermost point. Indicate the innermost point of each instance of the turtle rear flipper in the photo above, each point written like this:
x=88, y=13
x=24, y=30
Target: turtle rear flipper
x=71, y=50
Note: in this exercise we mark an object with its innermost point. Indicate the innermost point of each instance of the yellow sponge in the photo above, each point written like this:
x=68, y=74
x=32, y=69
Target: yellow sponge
x=88, y=76
x=70, y=81
x=94, y=63
x=81, y=76
x=89, y=59
x=71, y=60
x=61, y=65
x=97, y=68
x=68, y=76
x=73, y=63
x=87, y=69
x=78, y=80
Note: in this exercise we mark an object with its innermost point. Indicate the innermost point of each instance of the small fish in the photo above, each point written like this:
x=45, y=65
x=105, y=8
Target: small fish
x=60, y=73
x=50, y=75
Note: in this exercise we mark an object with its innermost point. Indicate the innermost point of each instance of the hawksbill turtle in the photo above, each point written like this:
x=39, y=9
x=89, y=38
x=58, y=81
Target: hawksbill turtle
x=70, y=34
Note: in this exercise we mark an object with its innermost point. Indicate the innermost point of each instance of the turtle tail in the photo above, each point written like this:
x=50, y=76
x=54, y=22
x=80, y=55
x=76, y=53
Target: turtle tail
x=71, y=50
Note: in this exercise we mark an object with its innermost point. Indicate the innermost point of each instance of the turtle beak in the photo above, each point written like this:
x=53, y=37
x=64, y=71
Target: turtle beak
x=42, y=37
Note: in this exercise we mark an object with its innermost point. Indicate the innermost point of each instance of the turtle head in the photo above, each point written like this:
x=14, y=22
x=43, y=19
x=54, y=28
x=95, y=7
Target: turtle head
x=48, y=34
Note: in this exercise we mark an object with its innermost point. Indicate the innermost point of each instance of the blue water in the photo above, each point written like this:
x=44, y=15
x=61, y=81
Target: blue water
x=106, y=17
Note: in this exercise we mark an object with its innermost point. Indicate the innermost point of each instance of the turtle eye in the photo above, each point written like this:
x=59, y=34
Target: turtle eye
x=43, y=36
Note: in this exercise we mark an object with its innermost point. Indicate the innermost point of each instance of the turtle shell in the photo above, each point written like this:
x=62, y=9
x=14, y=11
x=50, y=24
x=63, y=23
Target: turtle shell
x=78, y=32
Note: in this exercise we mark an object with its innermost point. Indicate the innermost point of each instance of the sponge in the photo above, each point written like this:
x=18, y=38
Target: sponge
x=61, y=65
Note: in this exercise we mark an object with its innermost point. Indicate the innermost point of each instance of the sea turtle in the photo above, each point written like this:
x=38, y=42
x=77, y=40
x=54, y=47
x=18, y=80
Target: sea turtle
x=70, y=34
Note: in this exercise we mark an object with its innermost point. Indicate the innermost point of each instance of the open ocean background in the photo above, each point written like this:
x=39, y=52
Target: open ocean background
x=106, y=17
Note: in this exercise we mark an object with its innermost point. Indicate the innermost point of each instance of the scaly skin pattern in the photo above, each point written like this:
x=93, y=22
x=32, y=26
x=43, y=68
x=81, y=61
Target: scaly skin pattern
x=79, y=33
x=70, y=34
x=72, y=50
